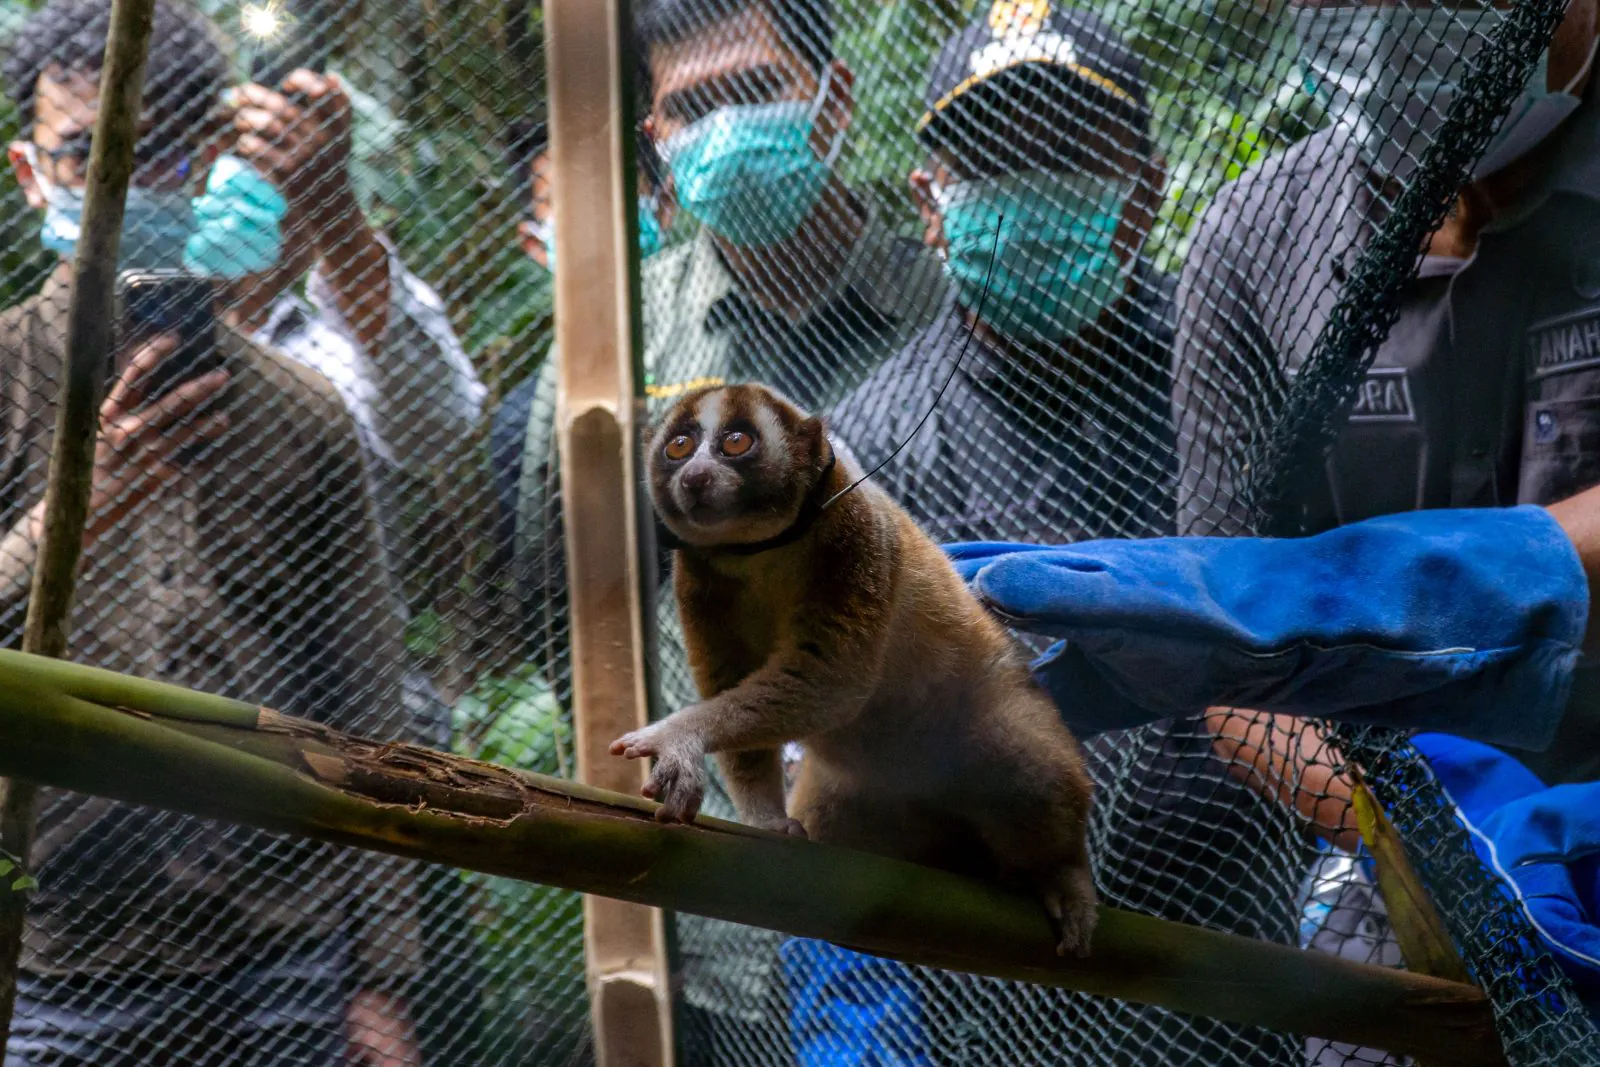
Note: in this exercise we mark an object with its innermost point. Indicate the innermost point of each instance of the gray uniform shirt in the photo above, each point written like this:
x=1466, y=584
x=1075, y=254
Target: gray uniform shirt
x=1045, y=448
x=1485, y=393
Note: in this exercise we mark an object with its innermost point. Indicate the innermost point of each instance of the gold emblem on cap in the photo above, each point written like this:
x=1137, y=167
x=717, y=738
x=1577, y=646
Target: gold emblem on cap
x=1019, y=18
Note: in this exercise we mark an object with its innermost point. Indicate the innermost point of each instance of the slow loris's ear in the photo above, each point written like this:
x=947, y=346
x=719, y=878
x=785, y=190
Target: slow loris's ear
x=815, y=432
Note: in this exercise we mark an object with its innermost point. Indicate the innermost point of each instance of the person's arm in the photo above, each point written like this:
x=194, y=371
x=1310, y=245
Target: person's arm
x=428, y=398
x=1289, y=761
x=305, y=152
x=427, y=409
x=1579, y=517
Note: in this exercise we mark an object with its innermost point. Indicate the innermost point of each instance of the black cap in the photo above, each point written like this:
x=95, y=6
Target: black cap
x=1011, y=35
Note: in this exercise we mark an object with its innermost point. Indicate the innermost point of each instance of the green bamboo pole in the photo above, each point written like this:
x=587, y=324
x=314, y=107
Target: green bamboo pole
x=288, y=775
x=71, y=473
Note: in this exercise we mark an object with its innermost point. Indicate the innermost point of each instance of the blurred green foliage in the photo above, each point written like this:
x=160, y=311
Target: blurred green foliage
x=530, y=937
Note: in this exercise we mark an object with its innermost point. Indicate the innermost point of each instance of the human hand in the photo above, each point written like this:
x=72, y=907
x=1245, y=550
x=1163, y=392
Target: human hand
x=379, y=1029
x=136, y=451
x=303, y=145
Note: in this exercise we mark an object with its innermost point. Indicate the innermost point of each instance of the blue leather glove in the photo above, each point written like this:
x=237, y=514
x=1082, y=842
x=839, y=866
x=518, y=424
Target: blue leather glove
x=1467, y=622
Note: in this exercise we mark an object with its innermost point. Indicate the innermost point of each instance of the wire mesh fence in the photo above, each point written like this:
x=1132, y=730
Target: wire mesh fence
x=1112, y=269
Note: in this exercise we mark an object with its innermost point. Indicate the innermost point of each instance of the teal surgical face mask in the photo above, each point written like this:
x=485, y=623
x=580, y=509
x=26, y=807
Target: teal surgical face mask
x=238, y=223
x=748, y=171
x=155, y=222
x=650, y=235
x=1391, y=71
x=1050, y=238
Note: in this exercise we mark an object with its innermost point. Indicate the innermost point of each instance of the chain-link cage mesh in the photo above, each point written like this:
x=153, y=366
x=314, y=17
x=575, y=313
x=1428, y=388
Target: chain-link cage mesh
x=1131, y=331
x=332, y=549
x=1129, y=262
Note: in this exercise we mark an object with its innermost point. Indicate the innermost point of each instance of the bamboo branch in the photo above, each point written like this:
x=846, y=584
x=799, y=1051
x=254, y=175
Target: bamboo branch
x=92, y=731
x=1425, y=943
x=71, y=474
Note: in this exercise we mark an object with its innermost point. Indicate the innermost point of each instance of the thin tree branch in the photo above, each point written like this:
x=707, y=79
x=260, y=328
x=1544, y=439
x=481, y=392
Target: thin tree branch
x=71, y=474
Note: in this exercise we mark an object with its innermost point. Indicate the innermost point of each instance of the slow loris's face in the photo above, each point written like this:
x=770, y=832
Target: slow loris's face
x=732, y=465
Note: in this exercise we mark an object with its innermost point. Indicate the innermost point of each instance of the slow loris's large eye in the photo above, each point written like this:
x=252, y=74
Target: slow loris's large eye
x=680, y=447
x=737, y=442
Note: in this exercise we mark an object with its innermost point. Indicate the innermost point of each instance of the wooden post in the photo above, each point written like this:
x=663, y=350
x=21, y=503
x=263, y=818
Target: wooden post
x=599, y=416
x=71, y=474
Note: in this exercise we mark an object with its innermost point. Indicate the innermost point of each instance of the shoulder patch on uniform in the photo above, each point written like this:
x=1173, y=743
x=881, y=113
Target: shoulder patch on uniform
x=1384, y=396
x=1563, y=344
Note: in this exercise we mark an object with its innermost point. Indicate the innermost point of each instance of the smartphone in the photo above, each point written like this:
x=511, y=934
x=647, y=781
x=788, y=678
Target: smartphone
x=272, y=64
x=151, y=302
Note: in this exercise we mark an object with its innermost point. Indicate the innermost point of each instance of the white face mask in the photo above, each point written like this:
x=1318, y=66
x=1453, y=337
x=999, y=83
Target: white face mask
x=1534, y=116
x=1391, y=71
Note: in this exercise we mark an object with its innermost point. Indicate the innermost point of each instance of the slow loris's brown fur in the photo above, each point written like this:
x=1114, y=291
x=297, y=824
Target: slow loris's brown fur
x=848, y=630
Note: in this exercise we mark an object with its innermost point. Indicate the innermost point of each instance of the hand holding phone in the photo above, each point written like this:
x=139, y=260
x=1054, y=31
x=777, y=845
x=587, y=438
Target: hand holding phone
x=145, y=444
x=151, y=303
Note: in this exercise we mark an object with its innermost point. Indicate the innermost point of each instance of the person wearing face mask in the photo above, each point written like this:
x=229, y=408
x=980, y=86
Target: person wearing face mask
x=1035, y=408
x=1485, y=392
x=791, y=277
x=528, y=153
x=1040, y=188
x=278, y=214
x=302, y=271
x=229, y=547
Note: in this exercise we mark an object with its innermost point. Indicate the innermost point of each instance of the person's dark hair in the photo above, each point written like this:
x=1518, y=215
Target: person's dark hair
x=527, y=138
x=186, y=72
x=805, y=26
x=651, y=167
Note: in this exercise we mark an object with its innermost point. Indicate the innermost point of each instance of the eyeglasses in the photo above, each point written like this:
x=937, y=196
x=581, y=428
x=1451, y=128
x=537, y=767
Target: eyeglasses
x=155, y=163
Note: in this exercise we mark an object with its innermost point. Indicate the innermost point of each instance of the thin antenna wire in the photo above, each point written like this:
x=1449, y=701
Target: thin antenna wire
x=972, y=330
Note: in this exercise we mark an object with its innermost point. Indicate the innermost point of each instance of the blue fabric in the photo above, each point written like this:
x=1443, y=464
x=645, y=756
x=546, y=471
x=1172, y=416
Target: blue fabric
x=848, y=1009
x=1466, y=622
x=1545, y=842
